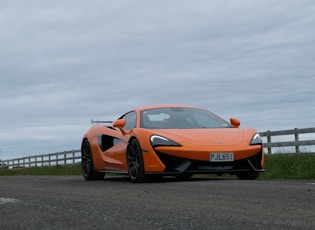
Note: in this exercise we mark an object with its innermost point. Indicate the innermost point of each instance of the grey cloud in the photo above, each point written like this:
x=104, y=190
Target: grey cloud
x=65, y=62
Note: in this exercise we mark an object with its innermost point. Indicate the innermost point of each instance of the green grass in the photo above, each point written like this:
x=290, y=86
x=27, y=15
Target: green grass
x=278, y=166
x=290, y=166
x=44, y=171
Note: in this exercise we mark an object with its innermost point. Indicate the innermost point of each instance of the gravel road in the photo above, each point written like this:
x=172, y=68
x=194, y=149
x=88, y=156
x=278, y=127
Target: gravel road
x=70, y=202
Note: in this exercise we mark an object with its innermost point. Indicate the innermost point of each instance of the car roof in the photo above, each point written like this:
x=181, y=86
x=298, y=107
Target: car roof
x=163, y=106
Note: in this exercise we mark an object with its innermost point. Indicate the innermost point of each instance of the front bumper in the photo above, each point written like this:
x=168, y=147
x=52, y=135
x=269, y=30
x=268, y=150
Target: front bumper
x=177, y=165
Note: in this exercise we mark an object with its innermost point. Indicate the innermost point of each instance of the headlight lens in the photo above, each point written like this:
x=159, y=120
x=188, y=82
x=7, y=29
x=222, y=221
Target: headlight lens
x=162, y=141
x=256, y=140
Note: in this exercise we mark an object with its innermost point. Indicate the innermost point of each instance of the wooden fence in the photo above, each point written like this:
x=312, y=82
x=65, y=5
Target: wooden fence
x=296, y=133
x=74, y=156
x=60, y=158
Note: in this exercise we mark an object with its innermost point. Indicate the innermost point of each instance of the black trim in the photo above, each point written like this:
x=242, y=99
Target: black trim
x=177, y=165
x=106, y=142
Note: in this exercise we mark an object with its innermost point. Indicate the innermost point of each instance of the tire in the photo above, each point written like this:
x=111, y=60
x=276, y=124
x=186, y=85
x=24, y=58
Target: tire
x=252, y=175
x=87, y=166
x=135, y=162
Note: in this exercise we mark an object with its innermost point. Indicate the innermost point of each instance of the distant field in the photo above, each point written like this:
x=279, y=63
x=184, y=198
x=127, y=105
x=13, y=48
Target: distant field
x=278, y=166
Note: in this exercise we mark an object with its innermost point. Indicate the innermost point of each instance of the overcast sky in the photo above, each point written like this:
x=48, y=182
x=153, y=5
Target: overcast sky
x=63, y=63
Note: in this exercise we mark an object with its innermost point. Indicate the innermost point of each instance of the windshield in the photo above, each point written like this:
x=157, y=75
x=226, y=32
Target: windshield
x=180, y=118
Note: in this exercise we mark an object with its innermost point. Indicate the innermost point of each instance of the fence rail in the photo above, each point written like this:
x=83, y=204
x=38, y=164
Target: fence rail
x=296, y=143
x=74, y=156
x=59, y=158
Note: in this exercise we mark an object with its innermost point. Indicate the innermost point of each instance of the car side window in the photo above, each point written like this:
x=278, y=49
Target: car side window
x=131, y=119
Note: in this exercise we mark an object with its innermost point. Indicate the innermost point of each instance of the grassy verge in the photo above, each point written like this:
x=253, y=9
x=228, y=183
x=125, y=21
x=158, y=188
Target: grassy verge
x=278, y=166
x=44, y=171
x=290, y=166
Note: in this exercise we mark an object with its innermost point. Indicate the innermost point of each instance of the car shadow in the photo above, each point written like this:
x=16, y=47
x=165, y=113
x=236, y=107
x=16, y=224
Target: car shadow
x=165, y=179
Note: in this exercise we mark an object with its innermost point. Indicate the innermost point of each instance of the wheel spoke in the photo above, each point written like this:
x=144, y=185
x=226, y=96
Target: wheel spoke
x=134, y=169
x=131, y=156
x=85, y=167
x=85, y=163
x=85, y=158
x=86, y=154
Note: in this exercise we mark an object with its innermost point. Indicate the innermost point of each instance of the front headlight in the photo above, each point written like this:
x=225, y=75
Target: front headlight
x=162, y=141
x=256, y=140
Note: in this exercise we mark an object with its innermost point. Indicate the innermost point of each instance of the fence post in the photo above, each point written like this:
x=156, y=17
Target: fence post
x=269, y=141
x=296, y=137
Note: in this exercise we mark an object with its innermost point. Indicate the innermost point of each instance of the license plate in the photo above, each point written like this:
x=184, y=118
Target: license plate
x=221, y=157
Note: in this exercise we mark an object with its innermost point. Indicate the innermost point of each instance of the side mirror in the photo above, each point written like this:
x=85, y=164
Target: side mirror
x=120, y=124
x=235, y=122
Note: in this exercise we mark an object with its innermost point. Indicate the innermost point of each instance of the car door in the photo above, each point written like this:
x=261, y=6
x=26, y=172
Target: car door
x=116, y=155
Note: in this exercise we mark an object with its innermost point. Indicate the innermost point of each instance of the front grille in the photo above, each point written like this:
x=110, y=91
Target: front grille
x=179, y=165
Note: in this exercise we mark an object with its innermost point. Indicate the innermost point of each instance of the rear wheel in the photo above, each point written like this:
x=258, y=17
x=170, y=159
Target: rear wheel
x=135, y=162
x=88, y=170
x=252, y=175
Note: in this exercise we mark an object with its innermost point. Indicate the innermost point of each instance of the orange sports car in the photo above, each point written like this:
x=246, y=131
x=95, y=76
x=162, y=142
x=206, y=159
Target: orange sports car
x=171, y=140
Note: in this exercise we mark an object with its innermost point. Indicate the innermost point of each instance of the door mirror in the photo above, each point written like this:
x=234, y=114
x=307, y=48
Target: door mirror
x=120, y=124
x=235, y=122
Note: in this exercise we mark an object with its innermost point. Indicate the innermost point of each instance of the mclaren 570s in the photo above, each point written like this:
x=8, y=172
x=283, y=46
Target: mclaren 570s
x=171, y=140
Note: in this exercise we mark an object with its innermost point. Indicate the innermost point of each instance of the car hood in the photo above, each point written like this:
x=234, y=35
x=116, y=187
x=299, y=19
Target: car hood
x=221, y=136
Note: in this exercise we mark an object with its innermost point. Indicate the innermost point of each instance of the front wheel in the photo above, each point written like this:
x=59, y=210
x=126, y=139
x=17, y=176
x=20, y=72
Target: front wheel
x=135, y=162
